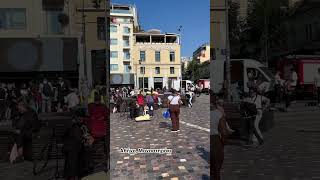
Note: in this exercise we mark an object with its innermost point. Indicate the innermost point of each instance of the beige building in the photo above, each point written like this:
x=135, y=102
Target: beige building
x=92, y=18
x=123, y=23
x=185, y=61
x=37, y=36
x=157, y=59
x=202, y=54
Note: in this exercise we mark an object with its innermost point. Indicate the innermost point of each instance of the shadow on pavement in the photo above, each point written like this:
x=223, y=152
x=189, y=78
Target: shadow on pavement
x=164, y=125
x=204, y=154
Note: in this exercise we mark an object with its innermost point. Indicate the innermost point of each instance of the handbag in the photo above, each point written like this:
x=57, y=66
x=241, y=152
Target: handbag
x=166, y=114
x=14, y=153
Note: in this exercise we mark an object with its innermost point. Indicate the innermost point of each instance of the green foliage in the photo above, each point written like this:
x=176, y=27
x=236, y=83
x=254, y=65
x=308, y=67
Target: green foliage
x=264, y=21
x=197, y=71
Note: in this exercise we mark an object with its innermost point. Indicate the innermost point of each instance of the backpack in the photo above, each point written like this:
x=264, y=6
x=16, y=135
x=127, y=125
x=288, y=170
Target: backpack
x=249, y=108
x=47, y=90
x=150, y=100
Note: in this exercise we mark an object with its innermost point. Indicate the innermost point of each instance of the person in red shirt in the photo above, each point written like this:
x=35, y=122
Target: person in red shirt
x=99, y=115
x=140, y=102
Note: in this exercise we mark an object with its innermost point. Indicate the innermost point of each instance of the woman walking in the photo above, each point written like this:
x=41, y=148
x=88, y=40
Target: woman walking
x=174, y=102
x=218, y=132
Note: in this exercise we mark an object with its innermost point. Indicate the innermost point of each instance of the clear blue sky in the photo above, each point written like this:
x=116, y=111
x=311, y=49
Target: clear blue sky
x=168, y=15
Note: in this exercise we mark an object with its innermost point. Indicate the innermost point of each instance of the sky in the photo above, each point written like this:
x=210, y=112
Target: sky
x=168, y=15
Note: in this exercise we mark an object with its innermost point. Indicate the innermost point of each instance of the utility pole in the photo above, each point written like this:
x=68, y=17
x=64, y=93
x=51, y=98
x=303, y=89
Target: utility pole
x=228, y=67
x=84, y=48
x=107, y=58
x=266, y=30
x=220, y=12
x=180, y=29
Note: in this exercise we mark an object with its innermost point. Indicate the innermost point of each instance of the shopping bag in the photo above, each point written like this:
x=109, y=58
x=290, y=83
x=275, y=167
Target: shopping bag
x=114, y=110
x=151, y=108
x=166, y=114
x=143, y=118
x=14, y=153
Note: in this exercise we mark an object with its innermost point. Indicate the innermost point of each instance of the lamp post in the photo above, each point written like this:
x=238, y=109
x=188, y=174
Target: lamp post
x=84, y=41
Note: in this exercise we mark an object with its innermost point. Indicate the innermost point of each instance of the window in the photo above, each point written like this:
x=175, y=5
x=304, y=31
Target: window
x=142, y=56
x=172, y=56
x=171, y=70
x=113, y=28
x=126, y=30
x=126, y=41
x=157, y=56
x=127, y=68
x=126, y=20
x=126, y=54
x=157, y=70
x=101, y=30
x=13, y=18
x=114, y=54
x=114, y=41
x=54, y=26
x=114, y=67
x=142, y=70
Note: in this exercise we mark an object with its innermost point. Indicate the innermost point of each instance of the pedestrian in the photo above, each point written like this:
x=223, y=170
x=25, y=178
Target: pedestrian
x=317, y=85
x=47, y=95
x=72, y=100
x=293, y=83
x=140, y=102
x=174, y=103
x=150, y=103
x=278, y=87
x=189, y=96
x=26, y=126
x=218, y=134
x=3, y=99
x=63, y=91
x=260, y=102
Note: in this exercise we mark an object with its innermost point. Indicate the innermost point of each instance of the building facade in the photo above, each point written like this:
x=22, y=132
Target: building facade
x=202, y=54
x=123, y=23
x=157, y=59
x=90, y=24
x=40, y=34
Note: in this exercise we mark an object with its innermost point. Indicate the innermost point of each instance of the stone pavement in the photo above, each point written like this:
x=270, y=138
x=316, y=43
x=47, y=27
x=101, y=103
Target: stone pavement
x=190, y=146
x=291, y=150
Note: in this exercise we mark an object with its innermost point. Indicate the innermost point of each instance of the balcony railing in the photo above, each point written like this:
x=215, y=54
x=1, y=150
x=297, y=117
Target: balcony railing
x=121, y=11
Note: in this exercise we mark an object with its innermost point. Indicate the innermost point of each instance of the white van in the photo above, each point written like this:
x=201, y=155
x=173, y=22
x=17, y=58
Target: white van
x=239, y=74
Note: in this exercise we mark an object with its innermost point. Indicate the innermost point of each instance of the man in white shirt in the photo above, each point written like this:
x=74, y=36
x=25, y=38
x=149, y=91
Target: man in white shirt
x=174, y=102
x=261, y=102
x=317, y=84
x=72, y=99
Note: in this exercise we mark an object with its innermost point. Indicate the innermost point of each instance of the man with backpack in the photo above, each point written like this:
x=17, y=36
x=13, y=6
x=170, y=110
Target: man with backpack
x=47, y=95
x=150, y=103
x=254, y=107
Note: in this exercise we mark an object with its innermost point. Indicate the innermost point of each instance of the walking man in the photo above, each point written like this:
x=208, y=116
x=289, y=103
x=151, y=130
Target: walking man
x=150, y=103
x=260, y=102
x=47, y=94
x=174, y=102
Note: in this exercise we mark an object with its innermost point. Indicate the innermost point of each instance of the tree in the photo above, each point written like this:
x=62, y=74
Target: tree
x=197, y=71
x=262, y=30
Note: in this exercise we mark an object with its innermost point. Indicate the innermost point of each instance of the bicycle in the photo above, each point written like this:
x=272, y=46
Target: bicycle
x=47, y=153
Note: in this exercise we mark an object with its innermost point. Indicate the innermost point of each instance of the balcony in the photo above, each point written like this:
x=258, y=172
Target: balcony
x=121, y=11
x=52, y=4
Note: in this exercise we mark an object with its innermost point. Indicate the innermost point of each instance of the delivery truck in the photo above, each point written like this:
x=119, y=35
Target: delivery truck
x=240, y=69
x=306, y=67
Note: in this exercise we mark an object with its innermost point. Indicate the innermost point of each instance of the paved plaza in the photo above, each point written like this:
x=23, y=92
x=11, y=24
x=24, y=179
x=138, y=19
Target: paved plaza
x=291, y=150
x=190, y=146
